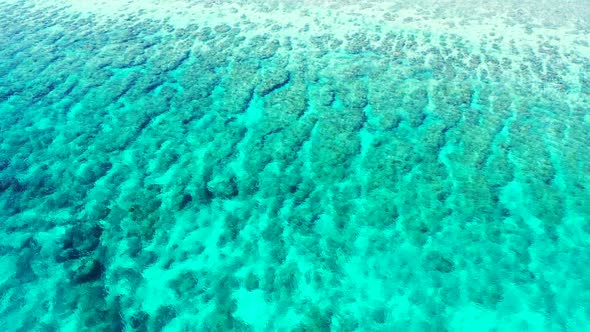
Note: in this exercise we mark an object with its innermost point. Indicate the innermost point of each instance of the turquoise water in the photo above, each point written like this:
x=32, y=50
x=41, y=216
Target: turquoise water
x=208, y=178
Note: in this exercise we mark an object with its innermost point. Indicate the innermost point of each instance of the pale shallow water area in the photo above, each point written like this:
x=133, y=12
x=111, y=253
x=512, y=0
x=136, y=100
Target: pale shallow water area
x=294, y=166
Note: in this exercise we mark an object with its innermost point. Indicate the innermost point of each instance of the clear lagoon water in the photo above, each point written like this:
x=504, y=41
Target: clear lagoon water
x=294, y=166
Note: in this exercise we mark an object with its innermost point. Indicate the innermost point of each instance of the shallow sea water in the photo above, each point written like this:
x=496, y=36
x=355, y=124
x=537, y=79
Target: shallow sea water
x=285, y=166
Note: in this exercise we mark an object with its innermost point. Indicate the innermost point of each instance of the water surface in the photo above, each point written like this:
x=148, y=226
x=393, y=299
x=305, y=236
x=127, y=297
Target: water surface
x=277, y=165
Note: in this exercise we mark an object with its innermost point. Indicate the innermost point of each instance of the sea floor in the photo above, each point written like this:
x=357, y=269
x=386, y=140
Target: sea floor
x=291, y=165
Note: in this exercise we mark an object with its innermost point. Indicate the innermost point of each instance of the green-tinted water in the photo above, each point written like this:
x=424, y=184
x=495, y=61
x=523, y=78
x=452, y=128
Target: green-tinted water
x=233, y=176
